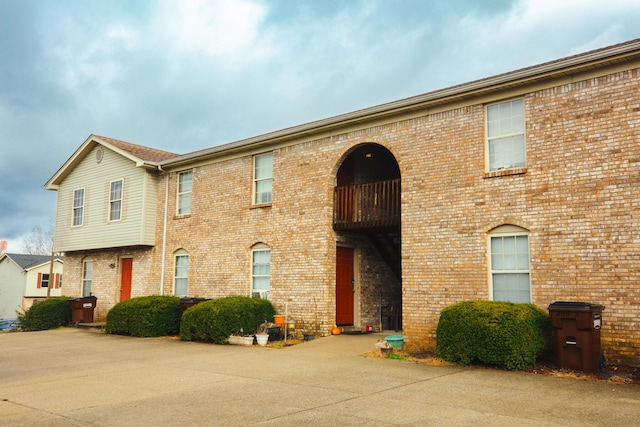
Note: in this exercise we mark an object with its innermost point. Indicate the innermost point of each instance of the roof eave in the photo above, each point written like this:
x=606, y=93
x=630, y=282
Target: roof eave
x=571, y=65
x=32, y=267
x=78, y=155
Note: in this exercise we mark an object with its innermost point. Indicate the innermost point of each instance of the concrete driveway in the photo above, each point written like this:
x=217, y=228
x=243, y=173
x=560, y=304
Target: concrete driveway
x=74, y=377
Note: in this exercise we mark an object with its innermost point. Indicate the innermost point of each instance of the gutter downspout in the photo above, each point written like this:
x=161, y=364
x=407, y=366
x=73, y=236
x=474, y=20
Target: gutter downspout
x=164, y=229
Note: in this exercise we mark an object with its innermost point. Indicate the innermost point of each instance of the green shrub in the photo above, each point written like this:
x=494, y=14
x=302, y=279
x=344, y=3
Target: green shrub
x=150, y=316
x=215, y=320
x=497, y=333
x=49, y=313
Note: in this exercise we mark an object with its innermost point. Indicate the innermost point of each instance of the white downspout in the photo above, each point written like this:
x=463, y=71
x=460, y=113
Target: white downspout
x=164, y=229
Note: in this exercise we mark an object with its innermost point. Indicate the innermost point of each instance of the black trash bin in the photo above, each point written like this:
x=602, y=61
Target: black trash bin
x=275, y=333
x=82, y=309
x=187, y=302
x=576, y=331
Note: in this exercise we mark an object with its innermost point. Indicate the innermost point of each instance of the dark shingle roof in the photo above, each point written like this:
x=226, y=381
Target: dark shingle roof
x=27, y=261
x=143, y=153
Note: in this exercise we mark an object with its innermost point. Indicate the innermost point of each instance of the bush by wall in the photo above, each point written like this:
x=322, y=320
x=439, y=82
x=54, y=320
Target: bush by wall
x=498, y=333
x=49, y=313
x=149, y=316
x=215, y=320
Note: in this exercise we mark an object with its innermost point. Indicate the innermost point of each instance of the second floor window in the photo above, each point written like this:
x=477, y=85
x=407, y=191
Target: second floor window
x=115, y=201
x=184, y=192
x=78, y=207
x=44, y=281
x=262, y=178
x=505, y=135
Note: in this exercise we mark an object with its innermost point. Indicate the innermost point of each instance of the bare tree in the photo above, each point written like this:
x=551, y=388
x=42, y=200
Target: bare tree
x=39, y=242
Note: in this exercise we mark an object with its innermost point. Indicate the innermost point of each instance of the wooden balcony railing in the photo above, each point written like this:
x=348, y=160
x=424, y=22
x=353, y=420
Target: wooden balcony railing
x=367, y=206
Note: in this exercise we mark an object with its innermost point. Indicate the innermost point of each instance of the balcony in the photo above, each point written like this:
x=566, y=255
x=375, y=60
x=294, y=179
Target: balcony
x=367, y=207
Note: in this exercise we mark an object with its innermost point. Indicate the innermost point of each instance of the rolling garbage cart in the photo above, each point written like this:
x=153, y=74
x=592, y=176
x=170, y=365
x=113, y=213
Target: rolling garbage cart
x=576, y=332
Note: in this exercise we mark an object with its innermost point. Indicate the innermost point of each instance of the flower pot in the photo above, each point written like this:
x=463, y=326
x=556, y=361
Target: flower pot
x=262, y=339
x=395, y=341
x=278, y=320
x=237, y=340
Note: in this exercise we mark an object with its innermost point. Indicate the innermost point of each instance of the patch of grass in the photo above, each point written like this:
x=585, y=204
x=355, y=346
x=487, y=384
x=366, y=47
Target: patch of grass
x=395, y=356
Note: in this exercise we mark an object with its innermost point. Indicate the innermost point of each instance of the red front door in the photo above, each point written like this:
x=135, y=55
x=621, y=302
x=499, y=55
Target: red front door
x=125, y=281
x=344, y=286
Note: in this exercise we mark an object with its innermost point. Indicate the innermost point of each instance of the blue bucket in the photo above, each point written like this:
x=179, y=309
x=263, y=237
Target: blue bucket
x=395, y=341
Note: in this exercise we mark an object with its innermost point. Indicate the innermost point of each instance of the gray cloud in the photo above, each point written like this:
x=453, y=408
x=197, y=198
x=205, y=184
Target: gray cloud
x=183, y=76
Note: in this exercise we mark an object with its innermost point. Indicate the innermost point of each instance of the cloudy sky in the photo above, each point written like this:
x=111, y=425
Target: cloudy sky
x=191, y=74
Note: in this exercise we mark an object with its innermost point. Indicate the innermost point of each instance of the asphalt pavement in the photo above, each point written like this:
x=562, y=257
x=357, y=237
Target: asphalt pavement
x=75, y=377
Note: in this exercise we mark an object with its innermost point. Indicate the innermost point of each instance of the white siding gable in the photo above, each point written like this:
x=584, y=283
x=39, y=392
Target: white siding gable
x=31, y=285
x=139, y=195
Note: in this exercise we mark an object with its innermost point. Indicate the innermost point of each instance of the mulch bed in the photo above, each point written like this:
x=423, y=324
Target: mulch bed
x=618, y=374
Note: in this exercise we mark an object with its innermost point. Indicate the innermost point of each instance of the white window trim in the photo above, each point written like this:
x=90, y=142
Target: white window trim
x=488, y=139
x=178, y=194
x=262, y=293
x=80, y=207
x=254, y=193
x=179, y=254
x=508, y=230
x=121, y=200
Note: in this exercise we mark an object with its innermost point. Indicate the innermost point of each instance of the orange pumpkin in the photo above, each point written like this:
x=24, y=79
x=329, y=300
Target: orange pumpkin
x=335, y=331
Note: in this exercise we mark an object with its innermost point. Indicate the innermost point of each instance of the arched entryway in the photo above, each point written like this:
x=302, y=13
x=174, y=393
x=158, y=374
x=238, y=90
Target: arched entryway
x=366, y=219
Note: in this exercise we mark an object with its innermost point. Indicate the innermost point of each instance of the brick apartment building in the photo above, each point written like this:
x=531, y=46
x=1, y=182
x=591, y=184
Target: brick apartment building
x=520, y=187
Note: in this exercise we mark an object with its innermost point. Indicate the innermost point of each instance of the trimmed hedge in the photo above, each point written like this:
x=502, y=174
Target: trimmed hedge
x=149, y=316
x=215, y=320
x=503, y=334
x=49, y=313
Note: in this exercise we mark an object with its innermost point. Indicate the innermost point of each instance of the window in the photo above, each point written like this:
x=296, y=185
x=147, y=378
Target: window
x=262, y=178
x=505, y=135
x=115, y=201
x=509, y=248
x=87, y=273
x=44, y=281
x=78, y=207
x=180, y=280
x=261, y=271
x=184, y=192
